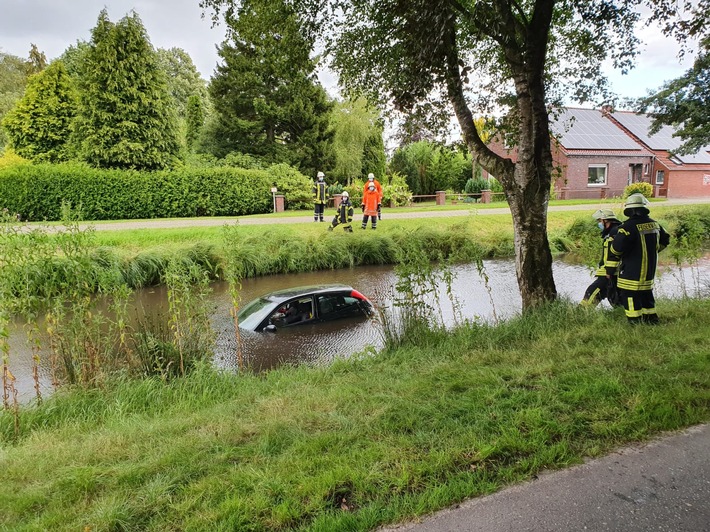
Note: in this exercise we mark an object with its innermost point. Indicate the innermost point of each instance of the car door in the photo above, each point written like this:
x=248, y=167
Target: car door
x=293, y=312
x=336, y=305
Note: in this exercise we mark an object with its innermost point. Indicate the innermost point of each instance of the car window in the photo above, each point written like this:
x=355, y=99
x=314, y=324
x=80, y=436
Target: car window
x=293, y=312
x=332, y=306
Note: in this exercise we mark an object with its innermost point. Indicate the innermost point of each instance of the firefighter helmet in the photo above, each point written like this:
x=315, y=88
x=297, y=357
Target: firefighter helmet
x=321, y=175
x=635, y=202
x=371, y=176
x=605, y=214
x=345, y=194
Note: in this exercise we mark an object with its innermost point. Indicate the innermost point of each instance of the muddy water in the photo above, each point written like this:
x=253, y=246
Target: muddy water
x=321, y=343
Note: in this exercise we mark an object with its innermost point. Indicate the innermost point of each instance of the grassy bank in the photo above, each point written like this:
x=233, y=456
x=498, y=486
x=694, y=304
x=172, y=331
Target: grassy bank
x=363, y=442
x=139, y=255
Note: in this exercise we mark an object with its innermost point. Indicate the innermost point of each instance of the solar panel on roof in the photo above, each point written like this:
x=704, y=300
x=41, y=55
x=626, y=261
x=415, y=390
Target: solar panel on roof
x=587, y=129
x=662, y=140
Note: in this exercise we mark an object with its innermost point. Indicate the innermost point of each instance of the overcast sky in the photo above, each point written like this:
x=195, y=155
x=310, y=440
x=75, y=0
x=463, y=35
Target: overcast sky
x=53, y=25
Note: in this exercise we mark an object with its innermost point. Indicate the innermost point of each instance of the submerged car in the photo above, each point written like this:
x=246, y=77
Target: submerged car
x=302, y=305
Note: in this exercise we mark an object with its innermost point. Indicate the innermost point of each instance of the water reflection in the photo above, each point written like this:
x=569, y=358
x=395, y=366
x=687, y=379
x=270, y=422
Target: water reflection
x=321, y=343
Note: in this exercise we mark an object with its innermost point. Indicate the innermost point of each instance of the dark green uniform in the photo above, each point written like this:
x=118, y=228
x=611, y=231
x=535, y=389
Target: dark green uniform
x=636, y=244
x=604, y=286
x=344, y=216
x=320, y=198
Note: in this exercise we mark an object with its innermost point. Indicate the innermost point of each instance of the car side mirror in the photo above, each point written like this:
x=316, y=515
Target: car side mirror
x=269, y=328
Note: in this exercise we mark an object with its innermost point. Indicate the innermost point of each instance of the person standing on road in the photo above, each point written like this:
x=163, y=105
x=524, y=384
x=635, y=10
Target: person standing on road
x=637, y=244
x=370, y=201
x=344, y=214
x=378, y=187
x=604, y=286
x=320, y=197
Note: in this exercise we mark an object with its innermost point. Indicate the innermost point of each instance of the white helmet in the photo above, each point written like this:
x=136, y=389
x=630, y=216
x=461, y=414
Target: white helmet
x=635, y=201
x=371, y=176
x=321, y=175
x=345, y=194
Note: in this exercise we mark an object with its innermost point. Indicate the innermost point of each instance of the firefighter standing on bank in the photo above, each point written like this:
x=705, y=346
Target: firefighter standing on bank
x=344, y=215
x=320, y=197
x=604, y=286
x=370, y=201
x=637, y=244
x=378, y=188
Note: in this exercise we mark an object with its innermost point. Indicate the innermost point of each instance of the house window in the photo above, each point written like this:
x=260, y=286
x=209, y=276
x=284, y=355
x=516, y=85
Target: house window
x=596, y=175
x=660, y=177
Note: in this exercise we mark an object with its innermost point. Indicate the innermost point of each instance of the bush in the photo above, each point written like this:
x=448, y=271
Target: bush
x=37, y=192
x=644, y=188
x=396, y=193
x=295, y=186
x=475, y=186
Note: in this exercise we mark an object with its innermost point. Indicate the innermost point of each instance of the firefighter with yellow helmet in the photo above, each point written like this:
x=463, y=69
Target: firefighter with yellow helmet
x=637, y=244
x=604, y=285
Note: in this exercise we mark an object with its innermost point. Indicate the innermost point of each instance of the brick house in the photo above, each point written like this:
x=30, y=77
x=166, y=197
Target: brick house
x=598, y=153
x=673, y=176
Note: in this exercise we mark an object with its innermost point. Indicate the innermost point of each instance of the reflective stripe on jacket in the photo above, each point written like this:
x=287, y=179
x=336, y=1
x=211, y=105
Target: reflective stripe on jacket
x=319, y=192
x=608, y=263
x=637, y=244
x=345, y=212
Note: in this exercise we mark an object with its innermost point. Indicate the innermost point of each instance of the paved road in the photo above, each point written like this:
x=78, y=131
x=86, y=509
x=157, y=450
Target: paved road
x=387, y=215
x=661, y=486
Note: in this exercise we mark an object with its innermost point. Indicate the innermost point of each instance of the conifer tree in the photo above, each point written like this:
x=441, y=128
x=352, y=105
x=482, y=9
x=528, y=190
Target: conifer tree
x=195, y=118
x=126, y=116
x=267, y=100
x=39, y=126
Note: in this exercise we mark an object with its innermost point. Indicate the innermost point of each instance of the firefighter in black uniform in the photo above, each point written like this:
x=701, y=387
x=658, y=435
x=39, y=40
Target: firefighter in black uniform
x=604, y=286
x=344, y=214
x=636, y=244
x=320, y=197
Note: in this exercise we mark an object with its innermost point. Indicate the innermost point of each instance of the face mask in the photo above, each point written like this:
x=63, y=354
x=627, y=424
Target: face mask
x=600, y=225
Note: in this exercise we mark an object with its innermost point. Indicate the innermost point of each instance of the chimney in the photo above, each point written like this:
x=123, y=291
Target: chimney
x=607, y=109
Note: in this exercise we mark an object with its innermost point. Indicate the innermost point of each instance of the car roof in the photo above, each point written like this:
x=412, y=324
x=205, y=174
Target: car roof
x=288, y=293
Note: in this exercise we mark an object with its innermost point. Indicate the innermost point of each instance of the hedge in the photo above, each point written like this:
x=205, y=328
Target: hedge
x=36, y=192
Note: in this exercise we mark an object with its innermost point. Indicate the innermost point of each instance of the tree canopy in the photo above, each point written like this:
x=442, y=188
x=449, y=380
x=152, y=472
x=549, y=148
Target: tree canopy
x=265, y=93
x=684, y=103
x=126, y=119
x=358, y=147
x=40, y=125
x=14, y=72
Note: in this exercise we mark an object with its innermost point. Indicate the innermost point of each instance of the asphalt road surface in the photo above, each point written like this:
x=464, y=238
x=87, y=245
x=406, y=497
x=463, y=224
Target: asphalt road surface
x=661, y=486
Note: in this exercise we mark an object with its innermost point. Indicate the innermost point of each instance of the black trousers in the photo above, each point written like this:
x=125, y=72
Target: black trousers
x=639, y=305
x=597, y=291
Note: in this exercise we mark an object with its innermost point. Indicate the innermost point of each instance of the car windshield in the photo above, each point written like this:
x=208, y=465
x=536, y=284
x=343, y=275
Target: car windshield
x=254, y=312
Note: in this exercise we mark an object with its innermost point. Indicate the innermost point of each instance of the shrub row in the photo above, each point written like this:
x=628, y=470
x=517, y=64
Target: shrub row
x=36, y=192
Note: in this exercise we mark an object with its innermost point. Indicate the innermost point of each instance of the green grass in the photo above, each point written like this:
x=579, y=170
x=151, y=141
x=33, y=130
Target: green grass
x=372, y=440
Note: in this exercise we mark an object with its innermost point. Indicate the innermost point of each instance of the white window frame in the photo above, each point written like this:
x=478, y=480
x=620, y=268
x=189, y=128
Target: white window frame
x=606, y=175
x=662, y=175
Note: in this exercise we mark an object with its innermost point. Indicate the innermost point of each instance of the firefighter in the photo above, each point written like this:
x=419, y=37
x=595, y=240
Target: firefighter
x=320, y=197
x=344, y=214
x=370, y=201
x=637, y=244
x=604, y=286
x=378, y=187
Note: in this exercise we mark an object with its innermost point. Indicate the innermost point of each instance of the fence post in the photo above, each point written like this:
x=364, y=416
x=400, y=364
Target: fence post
x=279, y=202
x=485, y=195
x=564, y=193
x=441, y=197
